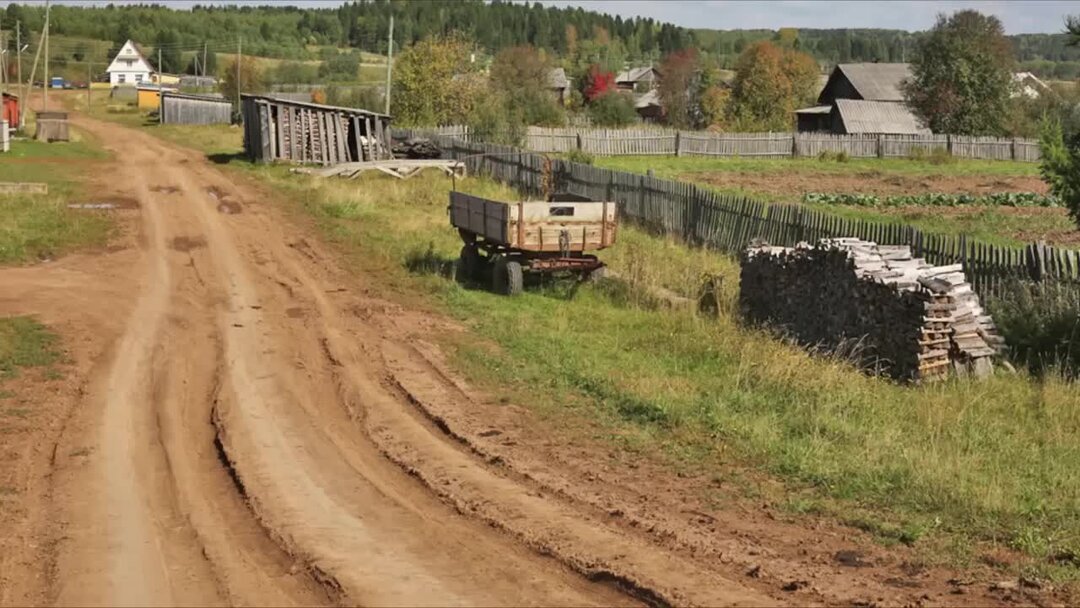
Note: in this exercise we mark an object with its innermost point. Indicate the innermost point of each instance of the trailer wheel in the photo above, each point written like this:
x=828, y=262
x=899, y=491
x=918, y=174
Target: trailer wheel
x=508, y=277
x=469, y=264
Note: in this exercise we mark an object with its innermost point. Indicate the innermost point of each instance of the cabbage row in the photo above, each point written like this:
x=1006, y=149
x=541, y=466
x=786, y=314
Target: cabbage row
x=997, y=199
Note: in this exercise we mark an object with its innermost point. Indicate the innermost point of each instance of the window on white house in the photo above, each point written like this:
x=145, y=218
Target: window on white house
x=138, y=77
x=121, y=78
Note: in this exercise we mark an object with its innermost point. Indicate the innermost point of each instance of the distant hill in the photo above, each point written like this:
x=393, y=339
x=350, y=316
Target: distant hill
x=303, y=34
x=1047, y=55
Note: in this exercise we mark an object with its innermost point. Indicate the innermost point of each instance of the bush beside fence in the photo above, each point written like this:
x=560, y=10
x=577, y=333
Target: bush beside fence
x=668, y=142
x=725, y=222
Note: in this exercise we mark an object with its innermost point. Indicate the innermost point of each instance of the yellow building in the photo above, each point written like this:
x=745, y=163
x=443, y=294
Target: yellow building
x=150, y=97
x=165, y=79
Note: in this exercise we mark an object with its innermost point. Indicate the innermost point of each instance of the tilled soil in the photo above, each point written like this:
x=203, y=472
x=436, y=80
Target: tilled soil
x=246, y=423
x=795, y=183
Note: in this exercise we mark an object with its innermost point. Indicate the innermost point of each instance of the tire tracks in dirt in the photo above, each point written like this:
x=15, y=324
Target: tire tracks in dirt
x=264, y=431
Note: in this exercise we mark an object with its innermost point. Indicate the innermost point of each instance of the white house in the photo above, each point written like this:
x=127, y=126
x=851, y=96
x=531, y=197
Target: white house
x=129, y=67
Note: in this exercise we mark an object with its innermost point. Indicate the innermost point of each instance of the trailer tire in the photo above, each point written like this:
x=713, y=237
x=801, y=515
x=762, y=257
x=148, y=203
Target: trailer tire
x=470, y=264
x=508, y=277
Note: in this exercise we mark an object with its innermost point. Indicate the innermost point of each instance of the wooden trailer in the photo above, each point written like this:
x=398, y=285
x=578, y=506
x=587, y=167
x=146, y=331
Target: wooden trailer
x=512, y=240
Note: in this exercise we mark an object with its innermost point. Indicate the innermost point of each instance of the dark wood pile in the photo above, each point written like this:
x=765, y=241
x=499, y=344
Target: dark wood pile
x=890, y=312
x=416, y=148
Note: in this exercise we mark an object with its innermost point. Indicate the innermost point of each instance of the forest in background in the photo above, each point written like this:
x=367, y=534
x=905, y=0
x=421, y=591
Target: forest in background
x=288, y=32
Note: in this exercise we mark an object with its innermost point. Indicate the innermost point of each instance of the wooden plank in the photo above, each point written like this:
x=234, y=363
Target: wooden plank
x=23, y=188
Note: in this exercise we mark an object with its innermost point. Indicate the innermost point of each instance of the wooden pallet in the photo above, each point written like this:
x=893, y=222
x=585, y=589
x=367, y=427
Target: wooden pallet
x=399, y=168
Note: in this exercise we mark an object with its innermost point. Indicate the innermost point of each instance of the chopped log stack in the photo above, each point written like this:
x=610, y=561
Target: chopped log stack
x=893, y=313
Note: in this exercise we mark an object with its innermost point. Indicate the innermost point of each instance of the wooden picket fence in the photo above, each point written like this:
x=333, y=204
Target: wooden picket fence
x=725, y=222
x=669, y=142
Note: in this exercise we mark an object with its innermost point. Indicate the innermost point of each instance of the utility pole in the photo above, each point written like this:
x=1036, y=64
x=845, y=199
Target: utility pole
x=18, y=66
x=88, y=89
x=203, y=61
x=3, y=58
x=30, y=81
x=239, y=56
x=389, y=61
x=45, y=81
x=159, y=65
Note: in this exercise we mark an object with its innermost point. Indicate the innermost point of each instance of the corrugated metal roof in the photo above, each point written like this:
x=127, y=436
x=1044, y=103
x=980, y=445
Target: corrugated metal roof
x=877, y=81
x=861, y=116
x=815, y=110
x=557, y=79
x=633, y=74
x=652, y=98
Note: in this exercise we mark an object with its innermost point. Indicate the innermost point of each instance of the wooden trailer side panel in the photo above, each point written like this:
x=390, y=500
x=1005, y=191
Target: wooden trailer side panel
x=537, y=226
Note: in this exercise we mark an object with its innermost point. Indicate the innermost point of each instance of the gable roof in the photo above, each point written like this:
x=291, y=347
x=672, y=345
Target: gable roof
x=557, y=79
x=636, y=74
x=860, y=116
x=144, y=66
x=873, y=81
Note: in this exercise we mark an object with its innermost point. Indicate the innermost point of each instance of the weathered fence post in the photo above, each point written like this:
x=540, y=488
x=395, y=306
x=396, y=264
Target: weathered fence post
x=1035, y=256
x=1015, y=150
x=579, y=146
x=881, y=145
x=678, y=143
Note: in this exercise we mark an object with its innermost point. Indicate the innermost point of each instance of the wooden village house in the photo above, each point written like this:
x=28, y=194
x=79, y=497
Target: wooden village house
x=558, y=84
x=862, y=98
x=638, y=80
x=129, y=67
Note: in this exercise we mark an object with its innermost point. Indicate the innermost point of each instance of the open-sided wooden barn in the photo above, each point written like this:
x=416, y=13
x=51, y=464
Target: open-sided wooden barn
x=278, y=129
x=182, y=109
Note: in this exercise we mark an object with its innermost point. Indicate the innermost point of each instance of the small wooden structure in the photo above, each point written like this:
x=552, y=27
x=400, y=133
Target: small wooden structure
x=401, y=168
x=278, y=129
x=51, y=126
x=530, y=237
x=149, y=96
x=5, y=137
x=181, y=109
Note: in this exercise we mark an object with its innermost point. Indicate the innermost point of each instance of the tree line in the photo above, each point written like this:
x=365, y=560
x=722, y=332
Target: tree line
x=291, y=32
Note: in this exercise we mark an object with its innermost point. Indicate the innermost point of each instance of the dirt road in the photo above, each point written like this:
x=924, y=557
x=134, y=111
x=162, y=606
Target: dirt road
x=250, y=437
x=249, y=424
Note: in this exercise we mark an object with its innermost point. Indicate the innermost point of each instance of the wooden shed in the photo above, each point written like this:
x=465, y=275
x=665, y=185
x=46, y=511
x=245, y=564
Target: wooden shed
x=181, y=109
x=278, y=129
x=51, y=126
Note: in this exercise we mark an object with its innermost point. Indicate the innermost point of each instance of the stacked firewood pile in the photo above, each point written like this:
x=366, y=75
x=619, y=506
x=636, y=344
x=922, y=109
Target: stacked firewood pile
x=891, y=312
x=416, y=148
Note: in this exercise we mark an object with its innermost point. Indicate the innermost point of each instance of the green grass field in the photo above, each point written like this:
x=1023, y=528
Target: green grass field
x=952, y=468
x=34, y=227
x=996, y=225
x=25, y=343
x=672, y=167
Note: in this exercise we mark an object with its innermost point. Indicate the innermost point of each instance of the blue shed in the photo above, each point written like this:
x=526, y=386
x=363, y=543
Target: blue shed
x=57, y=82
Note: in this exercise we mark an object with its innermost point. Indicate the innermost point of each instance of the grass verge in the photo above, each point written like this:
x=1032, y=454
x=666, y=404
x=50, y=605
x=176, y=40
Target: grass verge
x=35, y=227
x=25, y=343
x=950, y=468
